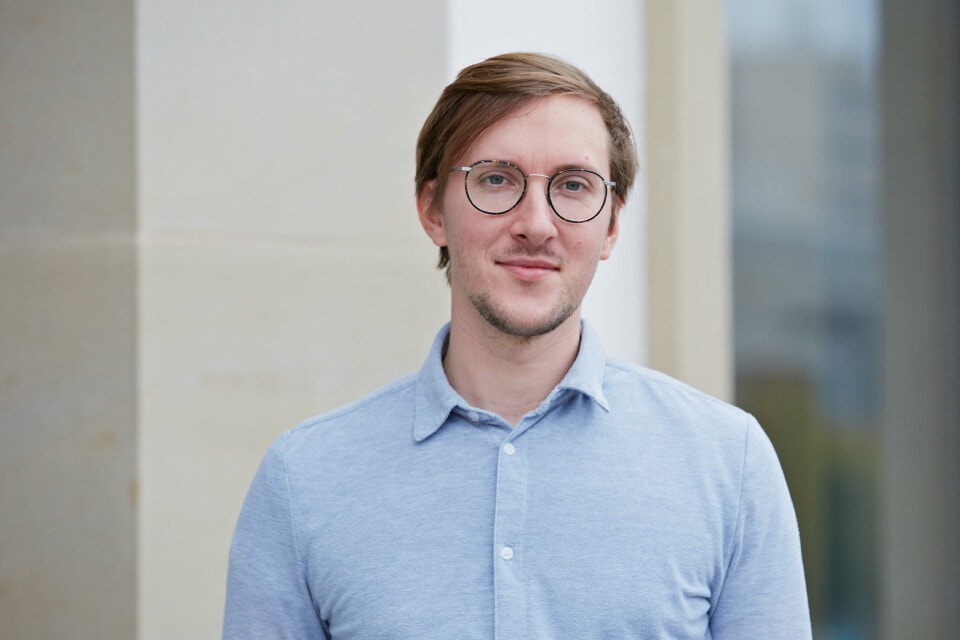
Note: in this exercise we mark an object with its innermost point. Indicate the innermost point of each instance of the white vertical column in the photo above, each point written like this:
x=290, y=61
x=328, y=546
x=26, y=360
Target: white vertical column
x=283, y=270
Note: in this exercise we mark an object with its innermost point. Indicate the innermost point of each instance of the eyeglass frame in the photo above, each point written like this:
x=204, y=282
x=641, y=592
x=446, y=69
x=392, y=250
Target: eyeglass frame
x=550, y=179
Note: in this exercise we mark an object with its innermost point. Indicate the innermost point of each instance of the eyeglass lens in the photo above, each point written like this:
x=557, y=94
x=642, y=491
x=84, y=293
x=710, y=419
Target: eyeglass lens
x=576, y=195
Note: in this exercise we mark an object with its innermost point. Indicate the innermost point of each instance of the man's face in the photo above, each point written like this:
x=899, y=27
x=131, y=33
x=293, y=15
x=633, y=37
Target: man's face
x=525, y=272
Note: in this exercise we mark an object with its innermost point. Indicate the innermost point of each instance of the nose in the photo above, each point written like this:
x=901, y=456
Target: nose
x=534, y=219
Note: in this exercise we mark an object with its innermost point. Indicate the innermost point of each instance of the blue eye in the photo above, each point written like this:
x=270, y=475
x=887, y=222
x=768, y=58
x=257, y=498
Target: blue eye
x=572, y=185
x=494, y=180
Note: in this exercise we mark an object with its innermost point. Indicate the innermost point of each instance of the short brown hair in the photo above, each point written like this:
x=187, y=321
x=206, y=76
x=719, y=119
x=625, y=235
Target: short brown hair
x=485, y=93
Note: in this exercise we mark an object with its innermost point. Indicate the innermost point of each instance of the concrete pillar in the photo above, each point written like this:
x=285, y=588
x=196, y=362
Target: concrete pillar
x=688, y=205
x=920, y=511
x=208, y=233
x=68, y=342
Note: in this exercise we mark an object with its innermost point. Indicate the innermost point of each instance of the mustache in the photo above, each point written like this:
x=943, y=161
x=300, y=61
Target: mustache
x=529, y=253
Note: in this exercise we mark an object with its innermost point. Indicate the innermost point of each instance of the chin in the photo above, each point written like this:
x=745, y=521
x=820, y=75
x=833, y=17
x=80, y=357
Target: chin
x=521, y=327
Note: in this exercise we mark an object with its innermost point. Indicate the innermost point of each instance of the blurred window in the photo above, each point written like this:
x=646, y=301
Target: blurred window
x=807, y=240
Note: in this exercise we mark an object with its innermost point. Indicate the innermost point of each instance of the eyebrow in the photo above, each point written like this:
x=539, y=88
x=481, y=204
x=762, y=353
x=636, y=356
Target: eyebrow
x=557, y=168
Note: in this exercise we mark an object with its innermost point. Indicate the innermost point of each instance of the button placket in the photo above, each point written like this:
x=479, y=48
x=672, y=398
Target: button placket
x=510, y=609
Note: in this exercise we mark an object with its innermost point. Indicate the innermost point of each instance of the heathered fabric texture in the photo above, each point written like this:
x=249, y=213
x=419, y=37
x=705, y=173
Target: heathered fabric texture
x=627, y=505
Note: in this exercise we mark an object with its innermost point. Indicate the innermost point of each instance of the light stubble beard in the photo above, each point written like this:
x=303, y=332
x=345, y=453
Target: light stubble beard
x=500, y=320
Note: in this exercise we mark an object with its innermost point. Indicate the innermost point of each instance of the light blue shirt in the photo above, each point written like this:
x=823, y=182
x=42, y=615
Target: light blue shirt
x=627, y=505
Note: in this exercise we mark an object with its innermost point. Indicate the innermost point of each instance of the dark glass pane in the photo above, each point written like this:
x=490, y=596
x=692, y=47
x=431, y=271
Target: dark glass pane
x=807, y=259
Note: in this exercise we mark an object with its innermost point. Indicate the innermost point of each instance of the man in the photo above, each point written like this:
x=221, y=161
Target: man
x=521, y=485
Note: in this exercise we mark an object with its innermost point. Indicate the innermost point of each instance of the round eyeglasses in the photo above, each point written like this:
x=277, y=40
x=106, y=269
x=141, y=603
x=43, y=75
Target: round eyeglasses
x=496, y=186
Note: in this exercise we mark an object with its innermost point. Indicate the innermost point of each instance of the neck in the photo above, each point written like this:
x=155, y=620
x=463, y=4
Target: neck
x=506, y=374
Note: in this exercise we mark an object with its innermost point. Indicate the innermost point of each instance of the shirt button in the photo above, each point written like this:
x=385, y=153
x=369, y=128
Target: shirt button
x=506, y=553
x=473, y=416
x=509, y=449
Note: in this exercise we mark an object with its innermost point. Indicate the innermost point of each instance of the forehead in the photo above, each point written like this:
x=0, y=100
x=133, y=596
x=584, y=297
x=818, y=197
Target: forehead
x=546, y=134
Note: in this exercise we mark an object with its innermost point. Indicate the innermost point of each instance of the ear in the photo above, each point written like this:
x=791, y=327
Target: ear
x=613, y=230
x=430, y=218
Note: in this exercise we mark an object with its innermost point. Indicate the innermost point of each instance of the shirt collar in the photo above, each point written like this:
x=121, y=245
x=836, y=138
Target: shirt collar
x=435, y=398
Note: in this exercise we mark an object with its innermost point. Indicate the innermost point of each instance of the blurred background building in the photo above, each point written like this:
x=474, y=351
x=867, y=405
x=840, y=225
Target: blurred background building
x=844, y=161
x=808, y=277
x=208, y=233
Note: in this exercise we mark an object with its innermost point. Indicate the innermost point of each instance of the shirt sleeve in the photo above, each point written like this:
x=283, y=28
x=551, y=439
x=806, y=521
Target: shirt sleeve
x=267, y=591
x=764, y=593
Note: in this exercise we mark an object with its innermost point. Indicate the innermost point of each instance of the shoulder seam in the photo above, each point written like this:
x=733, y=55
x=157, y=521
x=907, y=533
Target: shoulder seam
x=658, y=378
x=392, y=388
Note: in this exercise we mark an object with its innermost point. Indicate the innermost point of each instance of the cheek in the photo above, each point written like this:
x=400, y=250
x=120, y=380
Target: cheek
x=466, y=246
x=475, y=232
x=459, y=235
x=588, y=248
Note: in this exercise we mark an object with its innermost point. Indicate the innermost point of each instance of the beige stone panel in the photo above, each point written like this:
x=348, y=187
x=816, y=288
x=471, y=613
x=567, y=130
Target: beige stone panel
x=290, y=118
x=240, y=341
x=66, y=116
x=688, y=210
x=67, y=439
